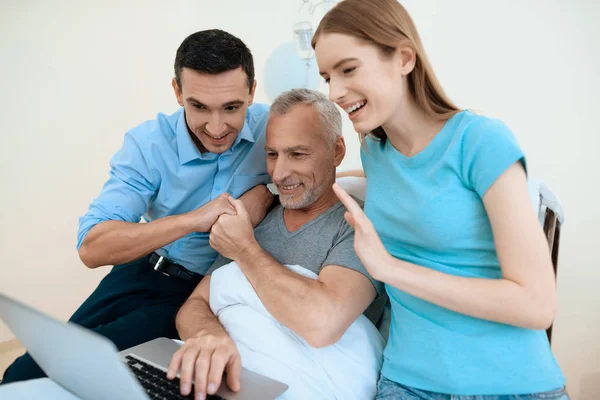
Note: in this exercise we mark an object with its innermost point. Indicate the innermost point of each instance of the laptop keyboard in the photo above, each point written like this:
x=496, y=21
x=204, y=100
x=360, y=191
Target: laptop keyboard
x=155, y=382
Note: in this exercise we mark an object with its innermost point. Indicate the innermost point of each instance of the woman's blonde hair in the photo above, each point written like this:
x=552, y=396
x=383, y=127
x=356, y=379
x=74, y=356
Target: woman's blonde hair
x=387, y=24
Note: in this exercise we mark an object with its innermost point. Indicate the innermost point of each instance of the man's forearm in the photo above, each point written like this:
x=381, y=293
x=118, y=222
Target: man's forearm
x=208, y=350
x=118, y=242
x=196, y=316
x=297, y=302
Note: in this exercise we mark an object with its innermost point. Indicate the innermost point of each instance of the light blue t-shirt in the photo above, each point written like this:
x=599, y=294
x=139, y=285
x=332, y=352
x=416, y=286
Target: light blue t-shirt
x=428, y=210
x=159, y=172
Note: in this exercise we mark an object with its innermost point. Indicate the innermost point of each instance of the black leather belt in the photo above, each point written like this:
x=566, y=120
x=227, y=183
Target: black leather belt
x=169, y=268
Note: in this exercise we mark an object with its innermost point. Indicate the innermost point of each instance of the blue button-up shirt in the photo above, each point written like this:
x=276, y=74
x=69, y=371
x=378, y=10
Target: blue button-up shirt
x=159, y=171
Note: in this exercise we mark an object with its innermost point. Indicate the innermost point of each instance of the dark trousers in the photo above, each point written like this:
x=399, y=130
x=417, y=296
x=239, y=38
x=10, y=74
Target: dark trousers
x=132, y=305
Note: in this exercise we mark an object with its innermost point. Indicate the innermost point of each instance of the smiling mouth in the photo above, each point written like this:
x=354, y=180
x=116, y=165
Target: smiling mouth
x=355, y=107
x=288, y=188
x=216, y=137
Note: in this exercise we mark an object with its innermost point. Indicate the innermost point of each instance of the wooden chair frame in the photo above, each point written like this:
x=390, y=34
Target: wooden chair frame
x=552, y=230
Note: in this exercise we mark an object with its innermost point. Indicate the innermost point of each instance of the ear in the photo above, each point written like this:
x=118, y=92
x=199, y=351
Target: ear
x=177, y=91
x=407, y=57
x=252, y=92
x=339, y=151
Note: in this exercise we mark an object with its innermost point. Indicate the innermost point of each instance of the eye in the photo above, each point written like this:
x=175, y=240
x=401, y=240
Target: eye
x=232, y=108
x=271, y=155
x=297, y=155
x=199, y=106
x=348, y=70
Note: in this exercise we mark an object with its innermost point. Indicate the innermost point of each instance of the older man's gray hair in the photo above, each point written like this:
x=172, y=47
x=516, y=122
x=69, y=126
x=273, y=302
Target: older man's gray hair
x=329, y=115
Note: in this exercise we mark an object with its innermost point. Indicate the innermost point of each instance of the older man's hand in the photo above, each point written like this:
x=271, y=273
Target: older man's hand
x=202, y=359
x=233, y=234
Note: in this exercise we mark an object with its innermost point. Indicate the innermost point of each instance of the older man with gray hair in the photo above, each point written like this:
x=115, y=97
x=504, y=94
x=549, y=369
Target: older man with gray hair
x=301, y=266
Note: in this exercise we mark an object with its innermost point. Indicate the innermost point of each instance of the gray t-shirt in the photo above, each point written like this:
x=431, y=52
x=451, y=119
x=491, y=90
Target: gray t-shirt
x=326, y=240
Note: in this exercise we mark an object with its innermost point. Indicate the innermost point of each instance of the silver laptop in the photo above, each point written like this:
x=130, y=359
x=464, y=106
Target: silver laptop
x=88, y=365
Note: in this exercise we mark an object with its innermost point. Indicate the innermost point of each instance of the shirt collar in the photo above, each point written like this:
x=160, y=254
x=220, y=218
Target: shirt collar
x=188, y=150
x=245, y=134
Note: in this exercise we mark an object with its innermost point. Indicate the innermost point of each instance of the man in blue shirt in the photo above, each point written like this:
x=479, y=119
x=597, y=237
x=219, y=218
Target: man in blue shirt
x=173, y=172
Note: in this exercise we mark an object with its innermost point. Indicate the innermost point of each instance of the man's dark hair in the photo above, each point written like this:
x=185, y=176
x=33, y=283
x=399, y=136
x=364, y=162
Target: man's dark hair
x=213, y=51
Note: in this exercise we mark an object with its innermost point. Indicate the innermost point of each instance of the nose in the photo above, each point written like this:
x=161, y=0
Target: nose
x=337, y=90
x=215, y=125
x=282, y=170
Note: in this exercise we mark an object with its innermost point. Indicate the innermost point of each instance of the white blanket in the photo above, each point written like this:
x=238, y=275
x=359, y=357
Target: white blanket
x=347, y=370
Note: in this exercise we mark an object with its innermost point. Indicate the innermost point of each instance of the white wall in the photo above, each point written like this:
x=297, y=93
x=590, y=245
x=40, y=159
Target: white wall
x=75, y=75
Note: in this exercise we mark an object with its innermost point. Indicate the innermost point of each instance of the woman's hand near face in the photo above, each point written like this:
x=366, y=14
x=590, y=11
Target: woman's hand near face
x=367, y=244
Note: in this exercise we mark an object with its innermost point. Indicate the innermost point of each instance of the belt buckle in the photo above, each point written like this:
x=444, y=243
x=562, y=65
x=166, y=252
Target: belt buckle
x=159, y=263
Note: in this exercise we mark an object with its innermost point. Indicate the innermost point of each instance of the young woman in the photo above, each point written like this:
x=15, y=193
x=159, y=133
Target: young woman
x=447, y=225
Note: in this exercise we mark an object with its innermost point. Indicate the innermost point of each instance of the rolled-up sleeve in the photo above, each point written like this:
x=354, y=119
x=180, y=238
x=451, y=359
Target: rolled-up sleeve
x=125, y=196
